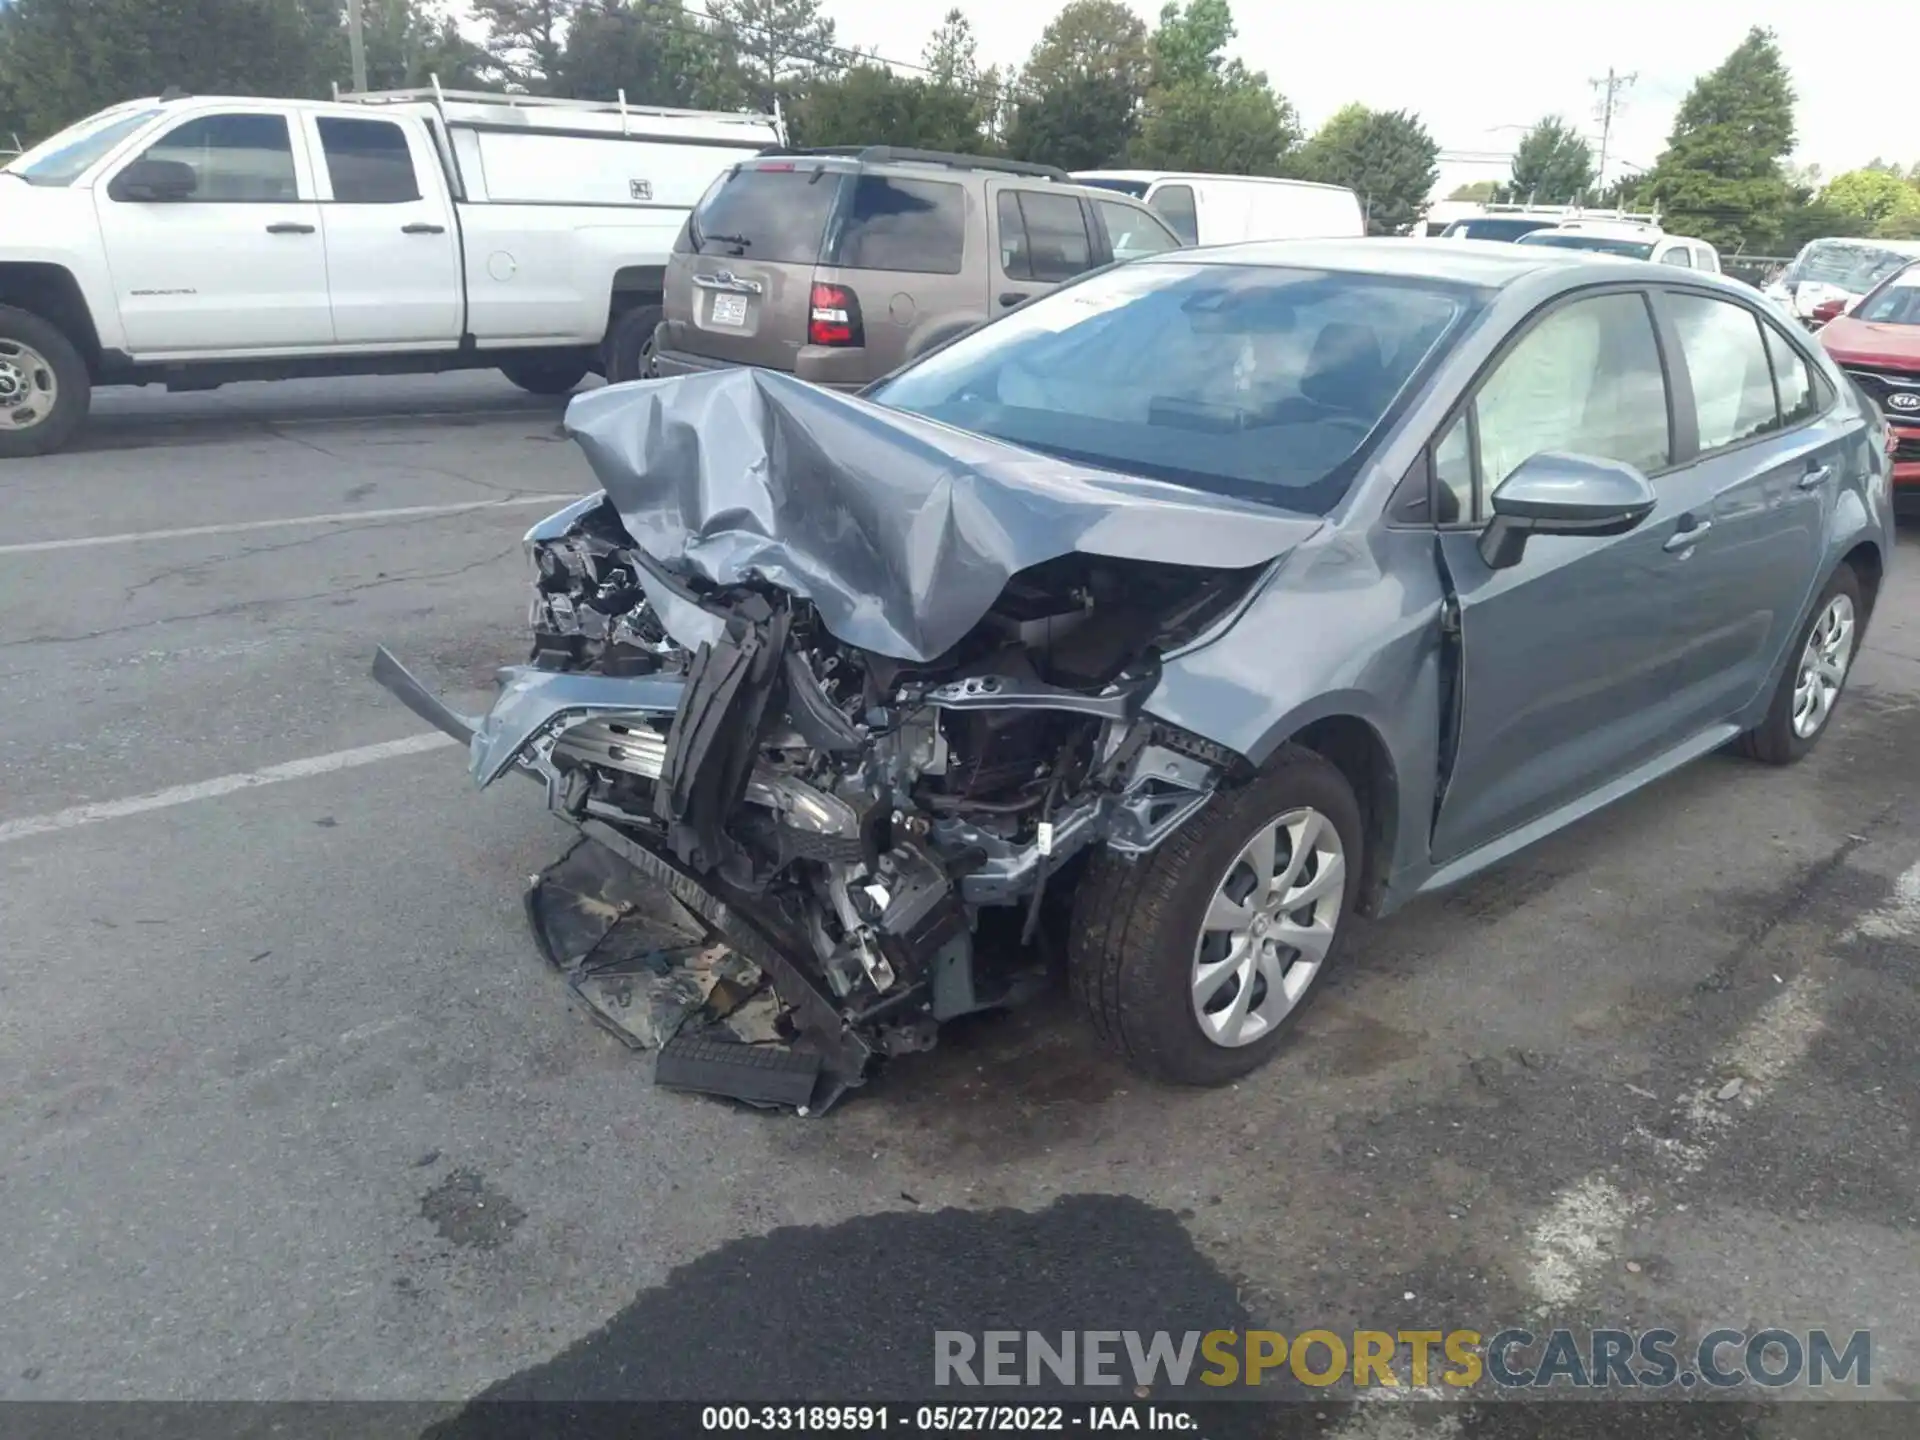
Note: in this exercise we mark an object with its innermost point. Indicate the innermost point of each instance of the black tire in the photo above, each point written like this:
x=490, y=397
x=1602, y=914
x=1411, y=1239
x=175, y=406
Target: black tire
x=29, y=343
x=1774, y=741
x=1135, y=925
x=629, y=345
x=545, y=376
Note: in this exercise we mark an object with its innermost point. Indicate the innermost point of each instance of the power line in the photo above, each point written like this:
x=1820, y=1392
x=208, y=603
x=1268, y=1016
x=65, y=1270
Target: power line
x=1611, y=89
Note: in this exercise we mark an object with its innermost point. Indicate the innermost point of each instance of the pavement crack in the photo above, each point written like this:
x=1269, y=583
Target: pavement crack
x=279, y=433
x=241, y=607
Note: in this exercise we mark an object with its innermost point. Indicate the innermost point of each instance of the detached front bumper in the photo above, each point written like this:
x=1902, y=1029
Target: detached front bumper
x=530, y=712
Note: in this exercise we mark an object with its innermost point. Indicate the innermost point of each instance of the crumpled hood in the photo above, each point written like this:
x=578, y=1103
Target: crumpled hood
x=901, y=531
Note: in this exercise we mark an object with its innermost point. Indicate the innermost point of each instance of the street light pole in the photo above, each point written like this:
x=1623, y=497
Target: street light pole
x=357, y=45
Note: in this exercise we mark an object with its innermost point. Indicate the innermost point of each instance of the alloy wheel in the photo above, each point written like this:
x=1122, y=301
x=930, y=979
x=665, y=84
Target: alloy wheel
x=1823, y=667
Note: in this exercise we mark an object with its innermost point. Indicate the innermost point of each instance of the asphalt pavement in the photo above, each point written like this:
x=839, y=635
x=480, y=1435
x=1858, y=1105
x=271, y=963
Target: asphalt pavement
x=289, y=1109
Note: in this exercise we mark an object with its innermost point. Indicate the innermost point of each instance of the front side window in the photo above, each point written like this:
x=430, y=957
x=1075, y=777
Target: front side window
x=913, y=225
x=368, y=162
x=1174, y=204
x=1132, y=232
x=1263, y=382
x=1678, y=255
x=67, y=156
x=236, y=159
x=1586, y=380
x=1727, y=359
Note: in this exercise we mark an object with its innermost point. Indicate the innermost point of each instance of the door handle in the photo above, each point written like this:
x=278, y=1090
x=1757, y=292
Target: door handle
x=1816, y=476
x=289, y=227
x=1011, y=298
x=1686, y=539
x=422, y=228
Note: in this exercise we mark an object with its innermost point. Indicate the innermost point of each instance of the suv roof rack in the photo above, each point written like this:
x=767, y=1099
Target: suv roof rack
x=953, y=160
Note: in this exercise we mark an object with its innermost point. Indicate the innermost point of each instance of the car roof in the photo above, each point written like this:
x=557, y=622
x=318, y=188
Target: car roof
x=1150, y=176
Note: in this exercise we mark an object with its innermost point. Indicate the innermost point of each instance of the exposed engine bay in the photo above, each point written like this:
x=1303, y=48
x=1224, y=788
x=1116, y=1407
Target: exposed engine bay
x=856, y=691
x=866, y=811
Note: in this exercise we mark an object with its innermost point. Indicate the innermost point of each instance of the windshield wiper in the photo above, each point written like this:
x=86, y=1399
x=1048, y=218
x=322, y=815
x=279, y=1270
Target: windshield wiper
x=740, y=241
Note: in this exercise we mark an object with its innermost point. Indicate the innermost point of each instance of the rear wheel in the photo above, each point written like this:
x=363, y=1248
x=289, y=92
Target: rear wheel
x=545, y=377
x=1810, y=688
x=1195, y=961
x=44, y=386
x=630, y=344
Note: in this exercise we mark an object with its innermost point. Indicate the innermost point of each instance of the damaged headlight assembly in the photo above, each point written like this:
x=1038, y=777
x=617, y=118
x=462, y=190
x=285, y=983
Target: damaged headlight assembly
x=829, y=772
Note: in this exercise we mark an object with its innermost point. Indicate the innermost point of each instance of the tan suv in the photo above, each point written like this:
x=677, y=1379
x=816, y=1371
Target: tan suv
x=838, y=266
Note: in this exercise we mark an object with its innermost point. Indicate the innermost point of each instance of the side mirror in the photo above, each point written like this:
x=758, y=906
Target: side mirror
x=154, y=181
x=1556, y=494
x=1828, y=310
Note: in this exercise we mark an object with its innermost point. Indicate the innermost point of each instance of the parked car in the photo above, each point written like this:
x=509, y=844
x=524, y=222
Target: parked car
x=1224, y=594
x=194, y=241
x=1496, y=227
x=1877, y=344
x=838, y=267
x=1828, y=276
x=1226, y=209
x=1630, y=240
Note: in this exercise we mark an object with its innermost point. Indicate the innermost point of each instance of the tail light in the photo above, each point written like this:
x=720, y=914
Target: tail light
x=835, y=317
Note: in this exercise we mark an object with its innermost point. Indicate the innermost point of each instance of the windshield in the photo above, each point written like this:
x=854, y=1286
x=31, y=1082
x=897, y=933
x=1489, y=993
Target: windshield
x=68, y=155
x=1605, y=244
x=1253, y=381
x=1895, y=303
x=1135, y=188
x=1846, y=265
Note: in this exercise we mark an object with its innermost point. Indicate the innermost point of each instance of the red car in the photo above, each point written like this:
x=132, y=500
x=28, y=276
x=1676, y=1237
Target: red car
x=1877, y=343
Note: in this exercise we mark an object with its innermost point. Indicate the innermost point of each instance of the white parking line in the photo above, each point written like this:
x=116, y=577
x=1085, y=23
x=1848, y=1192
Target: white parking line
x=240, y=527
x=79, y=815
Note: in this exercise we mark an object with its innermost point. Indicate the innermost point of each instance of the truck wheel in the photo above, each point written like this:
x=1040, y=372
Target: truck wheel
x=1196, y=960
x=44, y=386
x=545, y=377
x=630, y=344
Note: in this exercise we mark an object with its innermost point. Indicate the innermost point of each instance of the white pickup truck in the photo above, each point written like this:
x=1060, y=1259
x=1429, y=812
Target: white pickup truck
x=192, y=241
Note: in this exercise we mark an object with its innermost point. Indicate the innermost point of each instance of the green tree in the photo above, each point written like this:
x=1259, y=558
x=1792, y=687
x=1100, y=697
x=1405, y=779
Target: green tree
x=1478, y=193
x=869, y=104
x=654, y=50
x=410, y=43
x=1079, y=96
x=65, y=59
x=1872, y=195
x=952, y=56
x=1552, y=164
x=782, y=46
x=1205, y=112
x=1385, y=156
x=525, y=41
x=1720, y=177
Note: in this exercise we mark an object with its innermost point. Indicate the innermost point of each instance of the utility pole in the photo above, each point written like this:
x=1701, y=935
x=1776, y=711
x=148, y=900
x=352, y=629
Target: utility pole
x=357, y=45
x=1610, y=91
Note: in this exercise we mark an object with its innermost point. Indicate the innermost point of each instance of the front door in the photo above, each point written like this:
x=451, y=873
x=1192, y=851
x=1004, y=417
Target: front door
x=240, y=264
x=393, y=259
x=1572, y=657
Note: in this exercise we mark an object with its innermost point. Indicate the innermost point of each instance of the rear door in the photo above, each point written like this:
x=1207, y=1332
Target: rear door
x=240, y=264
x=393, y=260
x=1042, y=238
x=739, y=286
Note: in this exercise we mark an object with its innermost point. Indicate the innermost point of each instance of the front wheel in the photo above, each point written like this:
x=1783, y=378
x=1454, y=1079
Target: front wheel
x=1195, y=961
x=545, y=377
x=44, y=386
x=1810, y=688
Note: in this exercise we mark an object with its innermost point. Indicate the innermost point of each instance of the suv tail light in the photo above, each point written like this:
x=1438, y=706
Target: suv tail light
x=835, y=317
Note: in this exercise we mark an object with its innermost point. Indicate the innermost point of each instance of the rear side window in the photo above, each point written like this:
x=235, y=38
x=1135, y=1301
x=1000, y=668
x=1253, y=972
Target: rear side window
x=368, y=162
x=1043, y=237
x=914, y=225
x=1174, y=204
x=1799, y=397
x=236, y=158
x=775, y=214
x=1706, y=260
x=1727, y=359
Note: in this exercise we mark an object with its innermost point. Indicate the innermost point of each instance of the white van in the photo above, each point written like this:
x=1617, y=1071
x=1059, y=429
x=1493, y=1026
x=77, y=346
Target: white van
x=1221, y=209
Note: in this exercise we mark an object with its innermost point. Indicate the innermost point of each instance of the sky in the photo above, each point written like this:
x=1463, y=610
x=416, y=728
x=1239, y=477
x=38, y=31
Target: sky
x=1480, y=72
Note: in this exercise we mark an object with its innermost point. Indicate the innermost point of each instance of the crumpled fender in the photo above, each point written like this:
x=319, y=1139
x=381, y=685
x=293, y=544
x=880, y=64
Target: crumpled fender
x=529, y=701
